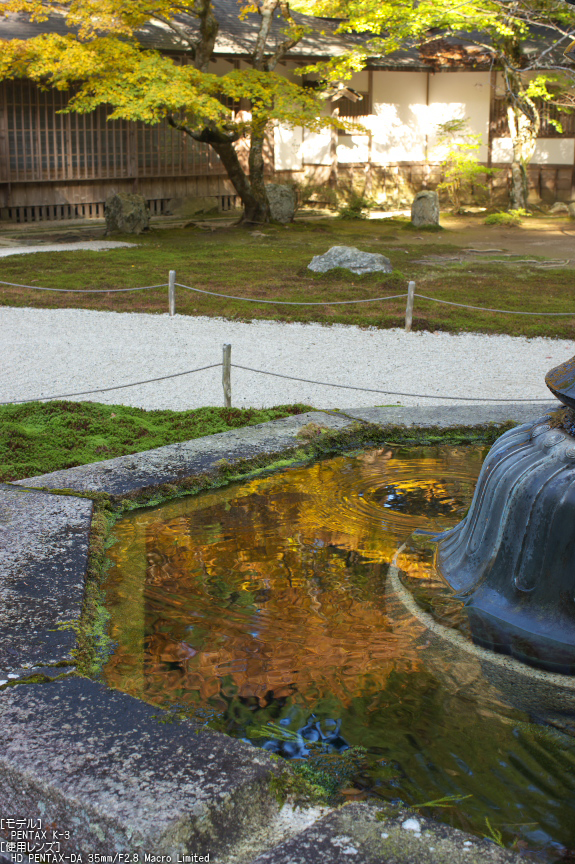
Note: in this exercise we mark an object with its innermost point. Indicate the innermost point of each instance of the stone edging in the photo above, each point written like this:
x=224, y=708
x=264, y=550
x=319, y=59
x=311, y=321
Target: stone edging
x=99, y=764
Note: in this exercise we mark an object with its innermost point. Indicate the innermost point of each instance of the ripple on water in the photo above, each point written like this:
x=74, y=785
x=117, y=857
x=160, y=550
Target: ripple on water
x=268, y=602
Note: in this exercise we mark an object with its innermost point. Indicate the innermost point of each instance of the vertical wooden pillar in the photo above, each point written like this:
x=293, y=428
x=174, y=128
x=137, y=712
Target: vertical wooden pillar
x=491, y=126
x=333, y=174
x=226, y=375
x=368, y=173
x=4, y=153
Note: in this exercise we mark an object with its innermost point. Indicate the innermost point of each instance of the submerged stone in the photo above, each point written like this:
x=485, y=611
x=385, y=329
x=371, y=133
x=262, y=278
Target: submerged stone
x=352, y=259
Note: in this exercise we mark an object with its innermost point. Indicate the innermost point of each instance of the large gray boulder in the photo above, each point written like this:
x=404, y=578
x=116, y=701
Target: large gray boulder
x=126, y=214
x=352, y=259
x=283, y=202
x=425, y=209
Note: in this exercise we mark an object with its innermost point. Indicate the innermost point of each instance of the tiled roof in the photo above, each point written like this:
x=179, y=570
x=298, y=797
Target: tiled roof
x=237, y=38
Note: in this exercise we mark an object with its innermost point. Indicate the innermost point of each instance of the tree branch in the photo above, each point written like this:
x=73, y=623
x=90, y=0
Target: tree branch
x=289, y=42
x=179, y=30
x=209, y=27
x=207, y=135
x=266, y=10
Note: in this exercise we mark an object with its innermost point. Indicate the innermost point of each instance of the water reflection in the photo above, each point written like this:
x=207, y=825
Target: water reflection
x=268, y=601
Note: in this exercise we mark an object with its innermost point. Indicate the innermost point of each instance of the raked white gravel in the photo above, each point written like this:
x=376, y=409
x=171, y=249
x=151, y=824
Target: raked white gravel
x=49, y=352
x=89, y=245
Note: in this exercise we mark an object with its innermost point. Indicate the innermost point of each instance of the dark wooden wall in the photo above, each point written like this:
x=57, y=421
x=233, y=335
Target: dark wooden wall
x=61, y=166
x=55, y=165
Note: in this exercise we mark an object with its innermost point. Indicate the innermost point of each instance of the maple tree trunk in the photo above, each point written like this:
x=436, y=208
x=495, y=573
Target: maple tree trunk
x=257, y=181
x=254, y=209
x=519, y=191
x=523, y=130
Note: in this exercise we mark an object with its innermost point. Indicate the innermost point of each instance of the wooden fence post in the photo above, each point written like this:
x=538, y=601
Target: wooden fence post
x=172, y=293
x=409, y=307
x=227, y=376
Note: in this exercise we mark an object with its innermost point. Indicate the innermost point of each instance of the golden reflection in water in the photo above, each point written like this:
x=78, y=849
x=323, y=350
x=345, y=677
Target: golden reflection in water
x=276, y=587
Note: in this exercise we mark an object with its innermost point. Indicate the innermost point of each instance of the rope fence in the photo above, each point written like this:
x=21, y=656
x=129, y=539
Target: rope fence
x=294, y=302
x=171, y=285
x=85, y=290
x=227, y=366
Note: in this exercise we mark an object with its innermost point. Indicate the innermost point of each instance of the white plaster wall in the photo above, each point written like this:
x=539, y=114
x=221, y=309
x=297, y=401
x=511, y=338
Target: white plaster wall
x=554, y=151
x=464, y=95
x=288, y=148
x=550, y=151
x=315, y=148
x=404, y=125
x=359, y=81
x=353, y=148
x=398, y=123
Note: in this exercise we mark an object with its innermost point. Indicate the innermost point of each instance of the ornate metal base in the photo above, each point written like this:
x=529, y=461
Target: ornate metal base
x=512, y=559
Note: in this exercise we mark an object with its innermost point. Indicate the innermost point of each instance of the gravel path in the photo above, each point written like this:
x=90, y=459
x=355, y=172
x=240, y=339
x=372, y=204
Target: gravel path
x=90, y=245
x=53, y=351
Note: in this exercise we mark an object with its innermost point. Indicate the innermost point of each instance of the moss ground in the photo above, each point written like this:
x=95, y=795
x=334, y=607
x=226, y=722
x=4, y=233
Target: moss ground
x=36, y=438
x=272, y=264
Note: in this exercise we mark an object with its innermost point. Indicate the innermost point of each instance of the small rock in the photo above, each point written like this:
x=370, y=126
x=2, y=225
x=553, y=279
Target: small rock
x=425, y=209
x=571, y=209
x=126, y=214
x=351, y=259
x=411, y=825
x=283, y=202
x=558, y=207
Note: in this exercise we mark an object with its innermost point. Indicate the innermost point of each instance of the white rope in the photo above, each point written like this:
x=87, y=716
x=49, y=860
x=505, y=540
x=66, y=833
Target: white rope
x=106, y=389
x=291, y=302
x=486, y=309
x=385, y=392
x=85, y=290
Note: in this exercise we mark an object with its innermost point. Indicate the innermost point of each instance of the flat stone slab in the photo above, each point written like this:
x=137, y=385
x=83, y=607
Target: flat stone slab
x=175, y=462
x=453, y=415
x=354, y=833
x=102, y=765
x=43, y=555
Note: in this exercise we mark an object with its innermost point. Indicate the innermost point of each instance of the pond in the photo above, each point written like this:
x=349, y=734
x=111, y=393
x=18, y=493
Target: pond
x=267, y=606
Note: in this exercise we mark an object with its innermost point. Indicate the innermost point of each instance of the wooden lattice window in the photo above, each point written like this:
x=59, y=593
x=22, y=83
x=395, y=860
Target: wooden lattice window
x=349, y=108
x=40, y=143
x=548, y=113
